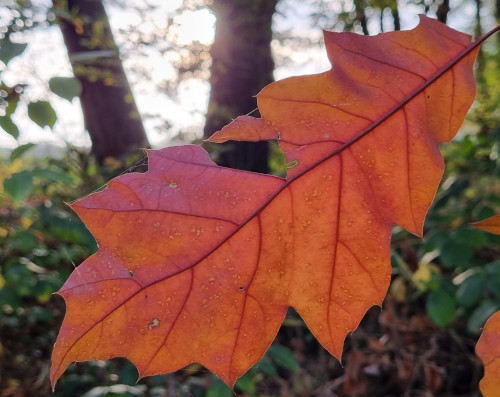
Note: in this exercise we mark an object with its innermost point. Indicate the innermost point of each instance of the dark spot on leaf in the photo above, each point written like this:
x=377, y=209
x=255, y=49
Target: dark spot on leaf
x=241, y=288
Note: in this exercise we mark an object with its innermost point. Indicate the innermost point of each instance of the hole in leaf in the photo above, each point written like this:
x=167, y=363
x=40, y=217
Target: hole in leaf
x=292, y=164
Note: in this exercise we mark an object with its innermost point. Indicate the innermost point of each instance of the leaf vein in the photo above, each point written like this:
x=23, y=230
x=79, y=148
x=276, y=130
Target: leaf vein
x=182, y=307
x=335, y=245
x=320, y=103
x=382, y=62
x=360, y=263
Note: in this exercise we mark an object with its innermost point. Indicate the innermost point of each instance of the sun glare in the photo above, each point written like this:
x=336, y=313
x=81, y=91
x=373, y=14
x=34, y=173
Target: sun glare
x=190, y=26
x=195, y=26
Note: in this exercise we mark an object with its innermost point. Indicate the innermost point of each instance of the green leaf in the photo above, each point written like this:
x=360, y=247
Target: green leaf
x=51, y=175
x=10, y=50
x=441, y=307
x=435, y=239
x=493, y=286
x=485, y=212
x=10, y=297
x=20, y=150
x=481, y=314
x=493, y=268
x=471, y=236
x=456, y=189
x=247, y=382
x=65, y=87
x=470, y=291
x=455, y=254
x=128, y=374
x=283, y=356
x=18, y=185
x=11, y=105
x=266, y=366
x=115, y=391
x=218, y=388
x=42, y=113
x=9, y=127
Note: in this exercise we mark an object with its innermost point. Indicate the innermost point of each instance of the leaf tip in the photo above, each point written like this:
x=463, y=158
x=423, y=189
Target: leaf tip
x=490, y=225
x=217, y=137
x=55, y=374
x=245, y=128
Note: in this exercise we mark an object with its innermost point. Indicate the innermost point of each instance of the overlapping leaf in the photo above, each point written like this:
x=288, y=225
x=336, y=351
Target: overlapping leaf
x=200, y=263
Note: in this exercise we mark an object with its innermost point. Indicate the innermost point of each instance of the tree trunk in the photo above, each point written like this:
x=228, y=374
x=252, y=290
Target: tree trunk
x=110, y=113
x=242, y=65
x=443, y=10
x=395, y=16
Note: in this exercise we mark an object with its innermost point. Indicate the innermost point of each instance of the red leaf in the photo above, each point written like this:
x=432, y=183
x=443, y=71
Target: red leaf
x=200, y=263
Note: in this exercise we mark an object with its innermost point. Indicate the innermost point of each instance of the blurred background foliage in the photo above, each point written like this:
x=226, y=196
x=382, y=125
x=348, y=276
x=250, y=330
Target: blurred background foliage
x=444, y=287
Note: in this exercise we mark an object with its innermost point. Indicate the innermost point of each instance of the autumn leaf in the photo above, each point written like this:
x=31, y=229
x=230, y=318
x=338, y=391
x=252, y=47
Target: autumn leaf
x=488, y=350
x=488, y=345
x=199, y=263
x=491, y=225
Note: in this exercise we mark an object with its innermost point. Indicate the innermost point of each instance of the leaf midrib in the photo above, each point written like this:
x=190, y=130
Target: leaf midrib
x=435, y=76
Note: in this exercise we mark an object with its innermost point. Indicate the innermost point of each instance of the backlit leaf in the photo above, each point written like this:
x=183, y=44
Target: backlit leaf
x=18, y=185
x=42, y=113
x=488, y=350
x=9, y=127
x=20, y=151
x=65, y=87
x=199, y=263
x=10, y=50
x=488, y=345
x=52, y=175
x=491, y=225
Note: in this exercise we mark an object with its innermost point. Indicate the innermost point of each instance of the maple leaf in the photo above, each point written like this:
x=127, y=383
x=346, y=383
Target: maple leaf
x=199, y=263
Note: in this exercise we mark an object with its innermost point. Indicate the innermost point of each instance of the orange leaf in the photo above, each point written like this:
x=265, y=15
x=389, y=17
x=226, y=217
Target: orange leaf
x=490, y=225
x=199, y=263
x=488, y=350
x=488, y=345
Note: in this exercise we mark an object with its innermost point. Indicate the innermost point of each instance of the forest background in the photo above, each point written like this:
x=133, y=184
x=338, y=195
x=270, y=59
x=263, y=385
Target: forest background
x=443, y=289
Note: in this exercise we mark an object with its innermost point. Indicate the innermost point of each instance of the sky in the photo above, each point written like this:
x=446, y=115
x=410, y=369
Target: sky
x=46, y=57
